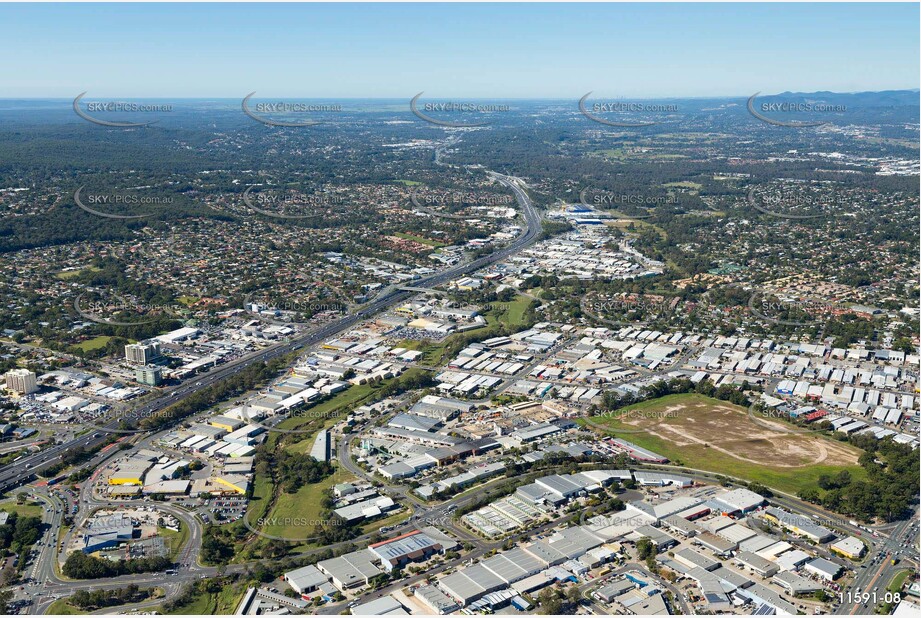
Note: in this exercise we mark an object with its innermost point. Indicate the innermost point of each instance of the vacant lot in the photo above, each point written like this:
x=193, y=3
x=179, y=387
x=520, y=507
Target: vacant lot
x=95, y=343
x=29, y=509
x=639, y=225
x=294, y=516
x=709, y=434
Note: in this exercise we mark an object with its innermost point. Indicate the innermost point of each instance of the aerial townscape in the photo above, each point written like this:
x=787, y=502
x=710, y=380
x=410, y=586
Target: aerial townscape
x=523, y=355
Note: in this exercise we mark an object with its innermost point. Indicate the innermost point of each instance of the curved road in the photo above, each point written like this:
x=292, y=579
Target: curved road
x=48, y=585
x=22, y=470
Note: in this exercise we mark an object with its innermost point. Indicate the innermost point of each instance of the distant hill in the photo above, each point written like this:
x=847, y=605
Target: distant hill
x=884, y=98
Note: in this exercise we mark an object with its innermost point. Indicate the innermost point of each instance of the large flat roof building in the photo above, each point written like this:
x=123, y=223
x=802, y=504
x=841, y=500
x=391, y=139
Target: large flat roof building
x=468, y=585
x=717, y=545
x=180, y=334
x=661, y=539
x=826, y=569
x=558, y=488
x=352, y=569
x=129, y=473
x=680, y=504
x=441, y=408
x=691, y=559
x=305, y=579
x=850, y=547
x=321, y=446
x=384, y=606
x=411, y=547
x=610, y=591
x=737, y=533
x=764, y=568
x=742, y=500
x=711, y=588
x=791, y=560
x=366, y=509
x=795, y=584
x=226, y=423
x=435, y=599
x=106, y=532
x=661, y=479
x=514, y=565
x=799, y=524
x=762, y=595
x=680, y=525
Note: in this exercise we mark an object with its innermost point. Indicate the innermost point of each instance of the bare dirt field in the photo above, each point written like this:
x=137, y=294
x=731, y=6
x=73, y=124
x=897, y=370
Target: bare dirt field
x=728, y=428
x=709, y=434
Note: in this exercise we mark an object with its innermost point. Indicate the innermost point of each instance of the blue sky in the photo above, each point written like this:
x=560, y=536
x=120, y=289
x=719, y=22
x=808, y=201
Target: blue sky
x=454, y=50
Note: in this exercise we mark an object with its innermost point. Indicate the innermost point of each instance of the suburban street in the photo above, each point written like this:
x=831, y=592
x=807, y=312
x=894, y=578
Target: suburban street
x=46, y=585
x=20, y=471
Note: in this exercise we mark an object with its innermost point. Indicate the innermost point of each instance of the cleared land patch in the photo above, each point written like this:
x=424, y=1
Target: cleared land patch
x=709, y=434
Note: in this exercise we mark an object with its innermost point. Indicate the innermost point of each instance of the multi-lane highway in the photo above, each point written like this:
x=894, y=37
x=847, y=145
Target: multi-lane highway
x=17, y=473
x=46, y=585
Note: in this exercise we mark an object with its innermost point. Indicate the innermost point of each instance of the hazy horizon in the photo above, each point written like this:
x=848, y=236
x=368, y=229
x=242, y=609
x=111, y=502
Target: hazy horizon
x=236, y=100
